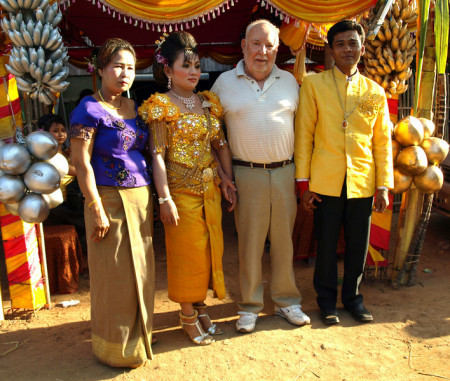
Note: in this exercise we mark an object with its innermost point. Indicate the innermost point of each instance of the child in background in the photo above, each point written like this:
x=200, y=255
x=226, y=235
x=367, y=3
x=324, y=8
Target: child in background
x=70, y=212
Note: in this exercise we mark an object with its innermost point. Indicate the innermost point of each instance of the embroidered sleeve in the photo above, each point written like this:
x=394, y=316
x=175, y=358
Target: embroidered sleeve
x=213, y=103
x=158, y=108
x=80, y=131
x=159, y=135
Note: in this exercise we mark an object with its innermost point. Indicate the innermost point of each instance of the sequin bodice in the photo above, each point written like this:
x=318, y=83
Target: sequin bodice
x=185, y=137
x=190, y=140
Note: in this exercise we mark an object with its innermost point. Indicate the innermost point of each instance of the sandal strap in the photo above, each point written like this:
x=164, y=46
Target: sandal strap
x=206, y=316
x=203, y=335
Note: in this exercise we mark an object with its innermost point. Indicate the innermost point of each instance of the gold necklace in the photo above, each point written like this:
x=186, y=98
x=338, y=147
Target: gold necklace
x=108, y=105
x=346, y=114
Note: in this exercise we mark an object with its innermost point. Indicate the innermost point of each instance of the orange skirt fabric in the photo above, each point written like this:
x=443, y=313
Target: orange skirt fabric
x=195, y=247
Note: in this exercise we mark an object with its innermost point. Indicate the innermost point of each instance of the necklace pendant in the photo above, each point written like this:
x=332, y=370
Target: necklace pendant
x=344, y=124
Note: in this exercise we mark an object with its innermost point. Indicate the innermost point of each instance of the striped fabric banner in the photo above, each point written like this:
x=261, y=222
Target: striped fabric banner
x=380, y=233
x=380, y=230
x=10, y=111
x=23, y=265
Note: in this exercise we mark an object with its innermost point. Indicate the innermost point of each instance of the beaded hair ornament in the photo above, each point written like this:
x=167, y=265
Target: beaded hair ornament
x=158, y=56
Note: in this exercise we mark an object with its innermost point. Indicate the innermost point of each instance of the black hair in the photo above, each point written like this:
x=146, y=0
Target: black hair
x=83, y=93
x=47, y=120
x=344, y=26
x=171, y=47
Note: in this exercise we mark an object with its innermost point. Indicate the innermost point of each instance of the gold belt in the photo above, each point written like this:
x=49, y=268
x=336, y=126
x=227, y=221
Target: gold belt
x=192, y=178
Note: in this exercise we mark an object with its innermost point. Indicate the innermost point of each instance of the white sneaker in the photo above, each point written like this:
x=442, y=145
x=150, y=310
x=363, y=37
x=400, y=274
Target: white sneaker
x=293, y=314
x=246, y=321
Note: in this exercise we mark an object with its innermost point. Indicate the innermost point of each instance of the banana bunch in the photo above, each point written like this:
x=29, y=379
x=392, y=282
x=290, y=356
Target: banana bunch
x=38, y=56
x=35, y=74
x=14, y=6
x=388, y=57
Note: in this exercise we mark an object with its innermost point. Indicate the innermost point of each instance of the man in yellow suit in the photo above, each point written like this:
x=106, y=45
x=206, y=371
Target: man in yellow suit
x=342, y=156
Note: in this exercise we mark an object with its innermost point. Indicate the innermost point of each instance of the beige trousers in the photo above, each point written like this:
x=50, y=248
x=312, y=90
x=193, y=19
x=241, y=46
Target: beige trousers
x=266, y=207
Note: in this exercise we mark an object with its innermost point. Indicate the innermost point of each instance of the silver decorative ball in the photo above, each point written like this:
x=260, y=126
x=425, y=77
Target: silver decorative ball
x=42, y=177
x=54, y=199
x=15, y=159
x=42, y=144
x=33, y=208
x=12, y=189
x=13, y=208
x=60, y=162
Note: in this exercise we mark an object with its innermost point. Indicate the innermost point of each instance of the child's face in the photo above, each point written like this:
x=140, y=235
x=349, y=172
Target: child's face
x=59, y=132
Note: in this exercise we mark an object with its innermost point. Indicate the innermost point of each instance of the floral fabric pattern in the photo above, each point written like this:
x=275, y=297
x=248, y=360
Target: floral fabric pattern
x=118, y=153
x=372, y=106
x=81, y=132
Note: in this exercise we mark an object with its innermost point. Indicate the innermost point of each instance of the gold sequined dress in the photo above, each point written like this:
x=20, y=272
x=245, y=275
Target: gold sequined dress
x=194, y=247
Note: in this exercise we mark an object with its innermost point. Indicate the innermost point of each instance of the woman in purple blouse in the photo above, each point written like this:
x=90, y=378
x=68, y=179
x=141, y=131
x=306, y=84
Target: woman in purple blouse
x=108, y=142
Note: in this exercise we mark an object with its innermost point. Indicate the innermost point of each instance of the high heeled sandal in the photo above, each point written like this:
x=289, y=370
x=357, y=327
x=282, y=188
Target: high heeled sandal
x=203, y=338
x=206, y=322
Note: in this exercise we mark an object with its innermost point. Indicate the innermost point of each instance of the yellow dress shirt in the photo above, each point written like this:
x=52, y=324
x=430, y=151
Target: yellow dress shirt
x=325, y=152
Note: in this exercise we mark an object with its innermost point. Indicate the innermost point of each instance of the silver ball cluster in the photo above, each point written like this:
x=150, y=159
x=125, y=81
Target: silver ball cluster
x=30, y=176
x=38, y=56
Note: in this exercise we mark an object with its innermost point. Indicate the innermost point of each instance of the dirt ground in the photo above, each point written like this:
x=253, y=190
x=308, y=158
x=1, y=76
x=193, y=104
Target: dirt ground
x=408, y=340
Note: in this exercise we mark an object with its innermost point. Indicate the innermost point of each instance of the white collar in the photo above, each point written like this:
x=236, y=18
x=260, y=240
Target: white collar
x=348, y=78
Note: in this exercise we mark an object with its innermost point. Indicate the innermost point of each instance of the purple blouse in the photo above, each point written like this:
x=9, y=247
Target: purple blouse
x=118, y=153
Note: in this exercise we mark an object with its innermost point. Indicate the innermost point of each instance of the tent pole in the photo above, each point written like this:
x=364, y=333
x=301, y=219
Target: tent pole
x=2, y=315
x=40, y=228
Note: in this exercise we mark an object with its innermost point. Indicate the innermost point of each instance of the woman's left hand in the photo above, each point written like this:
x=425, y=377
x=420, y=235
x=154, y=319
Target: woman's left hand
x=100, y=222
x=229, y=191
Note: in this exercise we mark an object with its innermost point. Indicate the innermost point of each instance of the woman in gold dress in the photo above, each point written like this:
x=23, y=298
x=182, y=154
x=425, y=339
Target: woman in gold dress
x=185, y=135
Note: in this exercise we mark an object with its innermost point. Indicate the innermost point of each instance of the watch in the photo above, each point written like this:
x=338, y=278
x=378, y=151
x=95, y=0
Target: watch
x=162, y=200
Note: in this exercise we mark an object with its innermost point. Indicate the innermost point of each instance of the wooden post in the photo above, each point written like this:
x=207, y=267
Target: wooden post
x=410, y=210
x=2, y=316
x=412, y=200
x=41, y=240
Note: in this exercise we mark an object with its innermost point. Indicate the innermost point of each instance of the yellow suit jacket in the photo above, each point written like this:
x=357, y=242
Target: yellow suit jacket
x=325, y=152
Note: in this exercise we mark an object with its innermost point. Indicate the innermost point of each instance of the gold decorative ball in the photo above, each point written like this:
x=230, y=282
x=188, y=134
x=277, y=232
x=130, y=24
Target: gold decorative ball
x=436, y=150
x=409, y=131
x=396, y=148
x=412, y=160
x=430, y=181
x=402, y=181
x=428, y=127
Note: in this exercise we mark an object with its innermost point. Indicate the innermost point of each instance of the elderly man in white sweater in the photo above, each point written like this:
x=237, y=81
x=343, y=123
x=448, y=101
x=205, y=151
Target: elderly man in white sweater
x=260, y=102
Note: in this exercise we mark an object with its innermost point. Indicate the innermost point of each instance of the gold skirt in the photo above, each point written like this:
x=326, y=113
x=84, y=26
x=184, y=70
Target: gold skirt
x=122, y=275
x=195, y=247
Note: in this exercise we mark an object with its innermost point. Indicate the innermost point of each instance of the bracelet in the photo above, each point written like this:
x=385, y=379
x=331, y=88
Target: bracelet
x=162, y=200
x=94, y=201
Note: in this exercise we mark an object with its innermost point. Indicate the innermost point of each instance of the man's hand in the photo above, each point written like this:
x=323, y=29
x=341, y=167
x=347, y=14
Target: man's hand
x=381, y=200
x=308, y=199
